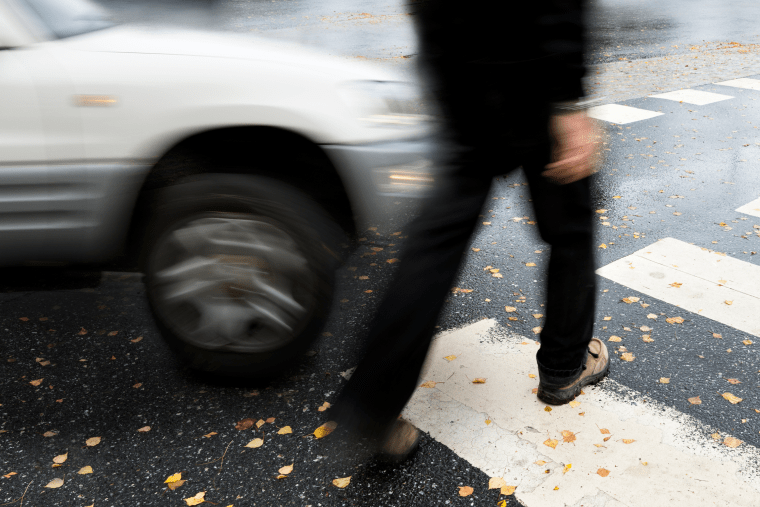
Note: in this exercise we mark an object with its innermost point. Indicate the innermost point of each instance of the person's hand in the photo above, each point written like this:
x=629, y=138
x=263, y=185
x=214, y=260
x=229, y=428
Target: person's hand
x=574, y=156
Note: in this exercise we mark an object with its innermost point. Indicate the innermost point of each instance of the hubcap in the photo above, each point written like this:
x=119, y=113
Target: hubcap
x=230, y=282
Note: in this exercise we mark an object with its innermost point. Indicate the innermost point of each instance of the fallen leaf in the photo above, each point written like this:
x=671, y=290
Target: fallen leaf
x=567, y=468
x=324, y=406
x=676, y=285
x=717, y=335
x=209, y=435
x=138, y=385
x=82, y=332
x=551, y=443
x=628, y=440
x=144, y=429
x=645, y=329
x=747, y=342
x=534, y=390
x=510, y=309
x=603, y=246
x=197, y=499
x=506, y=491
x=627, y=356
x=603, y=472
x=85, y=470
x=647, y=338
x=10, y=474
x=568, y=436
x=465, y=491
x=92, y=442
x=614, y=338
x=285, y=430
x=174, y=485
x=695, y=400
x=260, y=423
x=136, y=339
x=476, y=249
x=488, y=421
x=391, y=261
x=538, y=315
x=55, y=483
x=342, y=482
x=61, y=458
x=37, y=382
x=50, y=434
x=630, y=300
x=286, y=469
x=674, y=320
x=281, y=476
x=733, y=381
x=651, y=316
x=256, y=442
x=732, y=442
x=731, y=398
x=530, y=264
x=496, y=483
x=270, y=420
x=450, y=358
x=574, y=404
x=664, y=380
x=244, y=424
x=173, y=478
x=479, y=380
x=113, y=333
x=428, y=384
x=457, y=290
x=547, y=409
x=25, y=319
x=537, y=329
x=604, y=431
x=325, y=429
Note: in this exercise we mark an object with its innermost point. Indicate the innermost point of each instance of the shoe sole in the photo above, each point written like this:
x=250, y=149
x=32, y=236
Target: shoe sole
x=561, y=397
x=395, y=459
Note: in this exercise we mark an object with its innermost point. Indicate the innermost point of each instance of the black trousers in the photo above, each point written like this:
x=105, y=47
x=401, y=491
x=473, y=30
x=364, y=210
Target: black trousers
x=493, y=134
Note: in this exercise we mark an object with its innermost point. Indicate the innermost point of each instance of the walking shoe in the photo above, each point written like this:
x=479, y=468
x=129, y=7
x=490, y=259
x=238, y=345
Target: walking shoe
x=596, y=368
x=401, y=442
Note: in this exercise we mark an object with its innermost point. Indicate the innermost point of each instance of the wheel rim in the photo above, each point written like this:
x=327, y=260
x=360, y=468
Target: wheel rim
x=231, y=282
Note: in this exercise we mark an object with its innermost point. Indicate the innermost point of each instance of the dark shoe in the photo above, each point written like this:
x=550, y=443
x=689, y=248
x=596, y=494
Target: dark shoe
x=400, y=443
x=551, y=391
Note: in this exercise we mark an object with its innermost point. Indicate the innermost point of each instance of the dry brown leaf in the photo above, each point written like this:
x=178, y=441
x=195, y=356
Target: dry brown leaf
x=50, y=434
x=536, y=330
x=628, y=440
x=729, y=303
x=465, y=491
x=630, y=300
x=113, y=333
x=717, y=335
x=197, y=499
x=604, y=431
x=551, y=443
x=731, y=398
x=614, y=338
x=82, y=332
x=664, y=380
x=286, y=469
x=627, y=356
x=747, y=342
x=674, y=320
x=144, y=429
x=547, y=409
x=568, y=436
x=538, y=315
x=603, y=246
x=606, y=438
x=61, y=458
x=285, y=430
x=10, y=474
x=607, y=318
x=450, y=358
x=174, y=485
x=510, y=309
x=136, y=339
x=732, y=442
x=37, y=382
x=270, y=420
x=496, y=483
x=324, y=406
x=325, y=429
x=209, y=435
x=260, y=423
x=603, y=472
x=715, y=436
x=55, y=483
x=138, y=385
x=85, y=470
x=256, y=442
x=342, y=482
x=429, y=384
x=92, y=442
x=173, y=478
x=647, y=338
x=734, y=381
x=244, y=424
x=530, y=264
x=695, y=400
x=479, y=380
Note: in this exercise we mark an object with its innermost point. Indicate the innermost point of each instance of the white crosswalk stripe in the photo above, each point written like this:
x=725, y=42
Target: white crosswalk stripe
x=696, y=97
x=746, y=83
x=751, y=208
x=696, y=279
x=502, y=428
x=616, y=113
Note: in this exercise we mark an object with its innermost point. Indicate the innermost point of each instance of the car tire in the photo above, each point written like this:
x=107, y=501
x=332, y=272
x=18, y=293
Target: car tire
x=239, y=272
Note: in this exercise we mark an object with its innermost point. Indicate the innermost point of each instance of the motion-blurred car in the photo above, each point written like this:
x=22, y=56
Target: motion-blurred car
x=231, y=168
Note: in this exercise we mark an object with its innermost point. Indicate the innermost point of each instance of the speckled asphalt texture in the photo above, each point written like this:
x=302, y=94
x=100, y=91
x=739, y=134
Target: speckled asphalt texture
x=105, y=372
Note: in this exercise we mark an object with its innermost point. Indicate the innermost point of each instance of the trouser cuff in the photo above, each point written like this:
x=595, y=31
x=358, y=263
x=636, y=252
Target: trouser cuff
x=558, y=378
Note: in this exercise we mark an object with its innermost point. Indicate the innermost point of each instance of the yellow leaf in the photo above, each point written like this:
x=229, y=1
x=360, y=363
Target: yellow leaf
x=664, y=380
x=608, y=318
x=450, y=358
x=731, y=398
x=61, y=458
x=496, y=483
x=715, y=436
x=325, y=429
x=256, y=442
x=568, y=436
x=174, y=485
x=652, y=316
x=479, y=380
x=747, y=342
x=600, y=211
x=676, y=285
x=617, y=196
x=627, y=356
x=92, y=442
x=556, y=488
x=286, y=469
x=603, y=472
x=630, y=300
x=604, y=431
x=510, y=309
x=173, y=478
x=144, y=429
x=55, y=483
x=497, y=275
x=567, y=468
x=85, y=470
x=507, y=490
x=530, y=375
x=547, y=409
x=342, y=482
x=536, y=330
x=728, y=302
x=530, y=264
x=285, y=430
x=647, y=338
x=734, y=381
x=614, y=338
x=209, y=435
x=465, y=491
x=324, y=406
x=674, y=320
x=732, y=442
x=502, y=503
x=391, y=261
x=476, y=249
x=197, y=499
x=37, y=382
x=695, y=400
x=540, y=462
x=717, y=335
x=260, y=423
x=603, y=246
x=574, y=403
x=488, y=421
x=538, y=315
x=281, y=476
x=551, y=443
x=600, y=445
x=429, y=384
x=628, y=440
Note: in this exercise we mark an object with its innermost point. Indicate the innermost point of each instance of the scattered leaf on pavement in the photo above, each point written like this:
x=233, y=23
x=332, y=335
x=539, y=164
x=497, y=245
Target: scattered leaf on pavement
x=174, y=485
x=37, y=382
x=173, y=478
x=285, y=430
x=244, y=424
x=574, y=403
x=144, y=429
x=324, y=406
x=50, y=434
x=197, y=499
x=731, y=398
x=465, y=491
x=286, y=469
x=507, y=490
x=604, y=431
x=614, y=338
x=603, y=472
x=732, y=442
x=536, y=330
x=630, y=300
x=342, y=482
x=209, y=435
x=91, y=442
x=429, y=384
x=510, y=309
x=496, y=483
x=717, y=335
x=568, y=436
x=61, y=458
x=55, y=483
x=325, y=429
x=256, y=442
x=628, y=440
x=479, y=380
x=652, y=316
x=734, y=381
x=85, y=470
x=695, y=400
x=674, y=320
x=260, y=423
x=551, y=443
x=627, y=356
x=664, y=380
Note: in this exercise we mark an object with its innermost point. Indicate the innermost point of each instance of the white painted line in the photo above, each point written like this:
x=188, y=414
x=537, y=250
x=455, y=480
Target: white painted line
x=751, y=208
x=615, y=113
x=697, y=97
x=708, y=281
x=673, y=461
x=746, y=83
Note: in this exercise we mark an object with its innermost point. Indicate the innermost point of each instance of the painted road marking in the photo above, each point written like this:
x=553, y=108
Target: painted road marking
x=751, y=208
x=615, y=113
x=746, y=83
x=708, y=280
x=696, y=97
x=673, y=453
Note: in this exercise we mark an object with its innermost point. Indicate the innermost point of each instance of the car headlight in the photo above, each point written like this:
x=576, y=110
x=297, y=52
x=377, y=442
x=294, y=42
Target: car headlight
x=384, y=103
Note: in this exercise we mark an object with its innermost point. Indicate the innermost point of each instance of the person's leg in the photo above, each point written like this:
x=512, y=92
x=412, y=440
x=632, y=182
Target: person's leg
x=565, y=220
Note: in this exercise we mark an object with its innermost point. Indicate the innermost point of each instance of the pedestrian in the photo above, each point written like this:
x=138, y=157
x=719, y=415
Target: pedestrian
x=508, y=82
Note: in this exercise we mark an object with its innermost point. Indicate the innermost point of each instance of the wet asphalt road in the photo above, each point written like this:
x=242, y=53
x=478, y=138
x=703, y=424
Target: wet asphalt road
x=109, y=374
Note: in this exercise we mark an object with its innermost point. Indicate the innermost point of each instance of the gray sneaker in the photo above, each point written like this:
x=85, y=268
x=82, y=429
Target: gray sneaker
x=596, y=368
